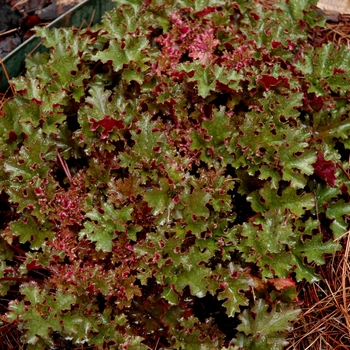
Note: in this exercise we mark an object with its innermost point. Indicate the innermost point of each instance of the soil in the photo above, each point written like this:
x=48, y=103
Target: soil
x=19, y=17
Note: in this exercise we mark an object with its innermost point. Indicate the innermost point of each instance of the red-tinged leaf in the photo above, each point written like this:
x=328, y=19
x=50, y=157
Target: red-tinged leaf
x=315, y=102
x=344, y=189
x=205, y=11
x=203, y=47
x=275, y=44
x=268, y=81
x=108, y=124
x=337, y=70
x=282, y=283
x=30, y=21
x=325, y=169
x=34, y=265
x=12, y=136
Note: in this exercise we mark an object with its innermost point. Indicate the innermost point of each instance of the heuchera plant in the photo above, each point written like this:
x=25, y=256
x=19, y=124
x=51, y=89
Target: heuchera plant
x=170, y=175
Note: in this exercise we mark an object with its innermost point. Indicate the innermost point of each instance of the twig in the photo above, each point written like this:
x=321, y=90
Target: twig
x=6, y=75
x=340, y=237
x=14, y=7
x=317, y=214
x=343, y=278
x=92, y=18
x=156, y=346
x=31, y=52
x=343, y=170
x=9, y=32
x=65, y=167
x=20, y=279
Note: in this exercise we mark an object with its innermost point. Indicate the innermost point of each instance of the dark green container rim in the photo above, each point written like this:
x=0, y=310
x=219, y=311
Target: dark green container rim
x=86, y=12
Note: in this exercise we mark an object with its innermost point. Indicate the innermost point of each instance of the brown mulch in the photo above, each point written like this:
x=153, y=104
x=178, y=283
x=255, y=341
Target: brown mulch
x=336, y=31
x=324, y=323
x=18, y=17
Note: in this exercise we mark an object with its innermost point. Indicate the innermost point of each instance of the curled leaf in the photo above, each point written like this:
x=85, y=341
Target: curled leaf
x=325, y=169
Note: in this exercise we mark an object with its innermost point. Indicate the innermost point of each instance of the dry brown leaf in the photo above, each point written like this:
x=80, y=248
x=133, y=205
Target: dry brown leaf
x=342, y=6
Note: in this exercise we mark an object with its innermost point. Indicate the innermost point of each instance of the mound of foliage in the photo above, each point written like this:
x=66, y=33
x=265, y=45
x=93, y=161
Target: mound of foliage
x=169, y=176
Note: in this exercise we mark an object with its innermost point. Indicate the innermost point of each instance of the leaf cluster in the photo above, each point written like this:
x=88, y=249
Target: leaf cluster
x=173, y=172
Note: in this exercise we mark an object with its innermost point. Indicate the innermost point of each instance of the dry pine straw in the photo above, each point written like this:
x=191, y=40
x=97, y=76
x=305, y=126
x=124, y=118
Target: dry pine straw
x=324, y=323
